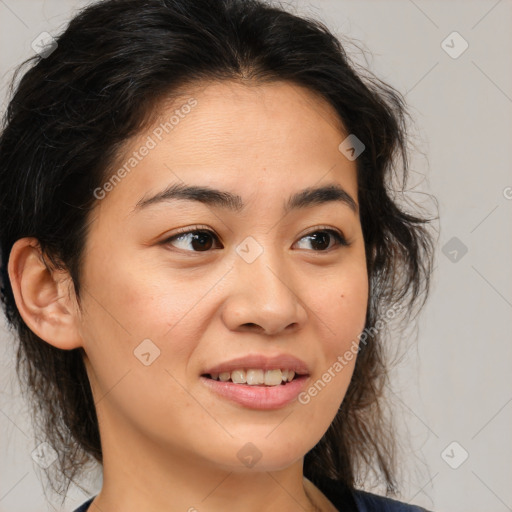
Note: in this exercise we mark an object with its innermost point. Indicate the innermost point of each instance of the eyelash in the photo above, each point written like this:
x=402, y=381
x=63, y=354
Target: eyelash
x=338, y=236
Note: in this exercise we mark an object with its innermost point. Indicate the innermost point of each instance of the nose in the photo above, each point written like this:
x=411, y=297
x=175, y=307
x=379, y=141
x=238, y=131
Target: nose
x=262, y=298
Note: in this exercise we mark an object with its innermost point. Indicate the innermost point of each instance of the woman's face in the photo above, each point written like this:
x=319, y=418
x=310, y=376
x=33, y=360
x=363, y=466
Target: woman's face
x=265, y=278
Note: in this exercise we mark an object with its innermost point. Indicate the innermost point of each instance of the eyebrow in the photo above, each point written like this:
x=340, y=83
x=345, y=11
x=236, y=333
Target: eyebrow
x=305, y=198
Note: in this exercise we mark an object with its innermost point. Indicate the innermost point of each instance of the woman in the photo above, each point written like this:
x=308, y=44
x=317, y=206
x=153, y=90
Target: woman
x=201, y=252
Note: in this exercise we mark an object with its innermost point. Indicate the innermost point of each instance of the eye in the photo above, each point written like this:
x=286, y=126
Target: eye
x=199, y=239
x=202, y=240
x=321, y=239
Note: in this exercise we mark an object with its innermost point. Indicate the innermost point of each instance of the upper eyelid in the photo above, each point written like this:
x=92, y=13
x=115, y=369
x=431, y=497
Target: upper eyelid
x=195, y=229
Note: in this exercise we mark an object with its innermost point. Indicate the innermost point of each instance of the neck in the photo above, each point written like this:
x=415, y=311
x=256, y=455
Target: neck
x=143, y=476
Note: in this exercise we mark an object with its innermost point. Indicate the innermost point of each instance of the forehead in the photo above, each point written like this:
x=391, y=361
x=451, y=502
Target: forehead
x=252, y=138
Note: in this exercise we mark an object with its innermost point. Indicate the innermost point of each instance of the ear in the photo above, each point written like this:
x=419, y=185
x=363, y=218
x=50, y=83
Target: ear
x=44, y=295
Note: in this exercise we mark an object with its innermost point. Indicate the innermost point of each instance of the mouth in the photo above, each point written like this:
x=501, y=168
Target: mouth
x=255, y=376
x=257, y=395
x=257, y=381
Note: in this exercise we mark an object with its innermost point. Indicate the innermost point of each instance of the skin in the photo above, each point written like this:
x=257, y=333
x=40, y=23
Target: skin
x=168, y=442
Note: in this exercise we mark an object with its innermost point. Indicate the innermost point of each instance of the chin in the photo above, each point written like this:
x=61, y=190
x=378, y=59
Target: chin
x=260, y=453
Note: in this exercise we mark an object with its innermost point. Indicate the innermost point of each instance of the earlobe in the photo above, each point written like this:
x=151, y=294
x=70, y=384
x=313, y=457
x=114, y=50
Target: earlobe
x=43, y=295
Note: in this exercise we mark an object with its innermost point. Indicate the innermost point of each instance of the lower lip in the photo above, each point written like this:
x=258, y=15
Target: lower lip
x=258, y=397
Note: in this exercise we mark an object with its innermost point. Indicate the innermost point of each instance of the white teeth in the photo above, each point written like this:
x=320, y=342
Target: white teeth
x=255, y=377
x=273, y=377
x=238, y=377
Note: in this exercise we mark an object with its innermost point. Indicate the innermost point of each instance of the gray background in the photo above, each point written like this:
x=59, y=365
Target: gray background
x=454, y=384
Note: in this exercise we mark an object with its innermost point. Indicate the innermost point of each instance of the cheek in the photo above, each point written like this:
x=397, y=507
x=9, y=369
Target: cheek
x=325, y=393
x=141, y=299
x=132, y=318
x=354, y=304
x=343, y=305
x=138, y=338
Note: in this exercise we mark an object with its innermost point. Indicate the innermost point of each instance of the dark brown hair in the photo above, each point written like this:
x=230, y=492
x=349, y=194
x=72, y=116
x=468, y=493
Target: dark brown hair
x=74, y=109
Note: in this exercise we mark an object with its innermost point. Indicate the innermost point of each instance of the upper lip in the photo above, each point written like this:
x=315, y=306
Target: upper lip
x=263, y=362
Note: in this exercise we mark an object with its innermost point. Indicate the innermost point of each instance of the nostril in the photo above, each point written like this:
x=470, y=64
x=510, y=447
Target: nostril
x=252, y=326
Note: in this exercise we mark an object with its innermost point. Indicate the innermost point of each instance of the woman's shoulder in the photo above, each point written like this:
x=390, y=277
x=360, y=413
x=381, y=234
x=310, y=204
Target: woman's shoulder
x=369, y=502
x=84, y=506
x=356, y=500
x=344, y=499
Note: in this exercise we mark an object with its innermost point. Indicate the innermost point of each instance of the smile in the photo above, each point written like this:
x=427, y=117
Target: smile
x=255, y=377
x=258, y=396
